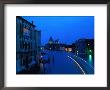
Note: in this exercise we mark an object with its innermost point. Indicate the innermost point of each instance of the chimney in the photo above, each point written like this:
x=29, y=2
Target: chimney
x=32, y=22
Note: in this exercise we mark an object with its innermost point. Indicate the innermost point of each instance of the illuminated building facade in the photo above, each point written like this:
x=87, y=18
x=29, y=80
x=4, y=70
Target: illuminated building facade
x=68, y=48
x=52, y=44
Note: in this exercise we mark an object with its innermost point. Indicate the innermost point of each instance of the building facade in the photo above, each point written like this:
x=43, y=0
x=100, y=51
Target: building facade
x=84, y=47
x=28, y=41
x=52, y=44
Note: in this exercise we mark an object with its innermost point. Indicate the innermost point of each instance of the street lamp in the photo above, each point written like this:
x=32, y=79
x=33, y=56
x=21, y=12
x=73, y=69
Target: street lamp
x=90, y=56
x=77, y=52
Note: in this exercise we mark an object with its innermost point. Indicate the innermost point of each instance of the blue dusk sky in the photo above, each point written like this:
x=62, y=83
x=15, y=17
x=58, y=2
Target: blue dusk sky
x=67, y=29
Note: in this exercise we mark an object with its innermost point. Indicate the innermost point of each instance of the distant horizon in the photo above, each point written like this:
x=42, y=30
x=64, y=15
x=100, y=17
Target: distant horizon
x=67, y=29
x=66, y=43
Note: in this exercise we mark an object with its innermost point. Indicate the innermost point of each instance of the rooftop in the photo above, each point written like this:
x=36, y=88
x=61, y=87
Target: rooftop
x=26, y=20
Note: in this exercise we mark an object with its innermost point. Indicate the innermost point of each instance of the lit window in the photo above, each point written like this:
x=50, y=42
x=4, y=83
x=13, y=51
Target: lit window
x=65, y=49
x=69, y=49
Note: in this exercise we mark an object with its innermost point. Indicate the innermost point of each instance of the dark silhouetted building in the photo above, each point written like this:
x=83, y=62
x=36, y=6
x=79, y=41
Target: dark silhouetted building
x=28, y=42
x=84, y=47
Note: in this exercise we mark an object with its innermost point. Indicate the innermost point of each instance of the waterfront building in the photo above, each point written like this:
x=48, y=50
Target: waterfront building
x=84, y=47
x=28, y=41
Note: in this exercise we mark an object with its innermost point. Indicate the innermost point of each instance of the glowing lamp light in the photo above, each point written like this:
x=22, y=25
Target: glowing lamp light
x=69, y=49
x=65, y=49
x=89, y=50
x=77, y=52
x=90, y=58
